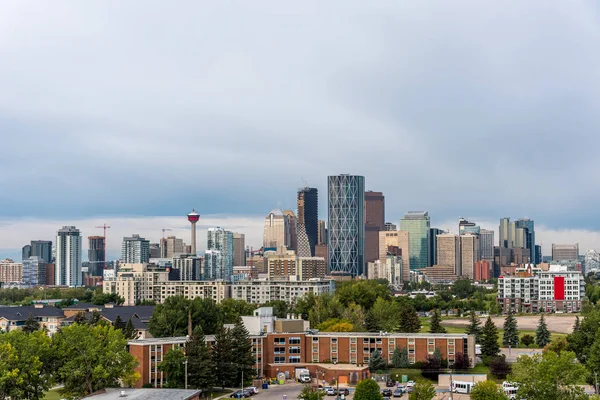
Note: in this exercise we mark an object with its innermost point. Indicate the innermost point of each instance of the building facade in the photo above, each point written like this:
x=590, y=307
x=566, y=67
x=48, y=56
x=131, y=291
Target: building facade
x=11, y=272
x=96, y=255
x=346, y=225
x=486, y=244
x=433, y=232
x=135, y=250
x=416, y=223
x=263, y=291
x=42, y=249
x=171, y=246
x=239, y=249
x=374, y=223
x=188, y=266
x=565, y=252
x=469, y=254
x=448, y=251
x=67, y=271
x=322, y=239
x=34, y=272
x=399, y=239
x=389, y=269
x=220, y=241
x=307, y=227
x=277, y=230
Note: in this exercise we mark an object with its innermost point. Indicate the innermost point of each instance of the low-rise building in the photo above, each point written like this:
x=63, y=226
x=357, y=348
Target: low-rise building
x=261, y=291
x=48, y=317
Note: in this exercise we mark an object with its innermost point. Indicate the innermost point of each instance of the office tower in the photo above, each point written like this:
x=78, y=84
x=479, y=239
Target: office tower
x=96, y=255
x=193, y=217
x=465, y=226
x=322, y=239
x=239, y=249
x=538, y=254
x=42, y=249
x=400, y=241
x=277, y=230
x=67, y=271
x=448, y=251
x=171, y=247
x=154, y=250
x=469, y=254
x=390, y=227
x=135, y=250
x=307, y=227
x=374, y=222
x=526, y=237
x=292, y=222
x=433, y=232
x=25, y=252
x=565, y=252
x=504, y=233
x=221, y=241
x=482, y=270
x=416, y=223
x=486, y=244
x=346, y=225
x=34, y=272
x=188, y=267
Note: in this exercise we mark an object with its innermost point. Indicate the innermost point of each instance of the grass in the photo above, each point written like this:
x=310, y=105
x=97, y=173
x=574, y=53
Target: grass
x=53, y=395
x=415, y=374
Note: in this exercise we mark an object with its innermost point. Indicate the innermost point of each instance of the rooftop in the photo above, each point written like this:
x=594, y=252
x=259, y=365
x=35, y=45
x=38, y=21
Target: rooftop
x=145, y=394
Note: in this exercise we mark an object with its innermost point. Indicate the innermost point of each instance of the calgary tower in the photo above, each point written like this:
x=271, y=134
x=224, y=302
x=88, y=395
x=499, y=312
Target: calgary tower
x=193, y=217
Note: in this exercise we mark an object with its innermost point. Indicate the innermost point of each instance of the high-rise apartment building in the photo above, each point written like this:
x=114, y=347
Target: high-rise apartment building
x=220, y=252
x=171, y=247
x=322, y=239
x=239, y=249
x=135, y=250
x=448, y=251
x=565, y=252
x=38, y=248
x=292, y=222
x=308, y=222
x=433, y=232
x=374, y=222
x=416, y=223
x=277, y=230
x=469, y=254
x=346, y=225
x=486, y=244
x=34, y=272
x=10, y=271
x=399, y=240
x=67, y=270
x=188, y=266
x=96, y=255
x=154, y=250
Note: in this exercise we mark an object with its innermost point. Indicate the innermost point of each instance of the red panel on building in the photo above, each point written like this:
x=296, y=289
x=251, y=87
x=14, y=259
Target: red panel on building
x=559, y=288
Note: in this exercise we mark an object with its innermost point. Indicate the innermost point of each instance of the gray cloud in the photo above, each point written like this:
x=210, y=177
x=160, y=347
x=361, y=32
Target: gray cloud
x=144, y=108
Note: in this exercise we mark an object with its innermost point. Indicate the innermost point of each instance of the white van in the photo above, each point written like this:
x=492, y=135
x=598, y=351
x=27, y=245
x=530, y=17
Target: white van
x=510, y=389
x=462, y=387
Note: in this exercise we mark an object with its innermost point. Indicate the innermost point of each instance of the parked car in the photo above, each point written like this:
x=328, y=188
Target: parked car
x=386, y=398
x=386, y=392
x=410, y=384
x=390, y=384
x=253, y=390
x=240, y=393
x=399, y=392
x=329, y=391
x=344, y=391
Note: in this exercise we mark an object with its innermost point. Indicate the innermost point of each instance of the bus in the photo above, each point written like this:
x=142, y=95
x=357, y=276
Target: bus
x=462, y=387
x=510, y=389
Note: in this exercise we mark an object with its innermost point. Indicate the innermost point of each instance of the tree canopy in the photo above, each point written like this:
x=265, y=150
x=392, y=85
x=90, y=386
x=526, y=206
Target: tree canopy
x=367, y=389
x=487, y=390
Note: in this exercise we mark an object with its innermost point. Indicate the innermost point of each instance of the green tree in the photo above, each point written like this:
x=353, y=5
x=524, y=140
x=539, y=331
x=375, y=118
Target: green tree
x=31, y=324
x=397, y=358
x=489, y=339
x=548, y=376
x=119, y=324
x=223, y=358
x=376, y=362
x=557, y=345
x=280, y=308
x=92, y=358
x=201, y=367
x=173, y=365
x=383, y=316
x=461, y=362
x=409, y=319
x=511, y=332
x=499, y=367
x=423, y=390
x=436, y=323
x=310, y=392
x=80, y=318
x=474, y=327
x=542, y=334
x=463, y=288
x=367, y=389
x=336, y=325
x=487, y=390
x=577, y=324
x=242, y=351
x=170, y=318
x=129, y=332
x=232, y=310
x=527, y=340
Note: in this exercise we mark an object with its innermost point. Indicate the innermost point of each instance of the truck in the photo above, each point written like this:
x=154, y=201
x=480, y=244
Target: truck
x=303, y=375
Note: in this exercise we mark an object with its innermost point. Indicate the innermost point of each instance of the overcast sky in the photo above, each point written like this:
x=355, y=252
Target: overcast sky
x=123, y=112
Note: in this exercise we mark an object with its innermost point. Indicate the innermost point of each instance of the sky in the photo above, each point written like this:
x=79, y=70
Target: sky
x=133, y=113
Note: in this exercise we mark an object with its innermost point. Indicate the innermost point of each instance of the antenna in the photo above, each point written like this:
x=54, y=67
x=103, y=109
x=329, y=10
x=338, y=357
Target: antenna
x=305, y=183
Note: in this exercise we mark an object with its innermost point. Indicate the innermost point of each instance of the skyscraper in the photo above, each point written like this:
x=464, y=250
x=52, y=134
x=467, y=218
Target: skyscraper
x=239, y=249
x=292, y=221
x=346, y=235
x=67, y=270
x=277, y=230
x=374, y=222
x=26, y=252
x=96, y=255
x=433, y=232
x=486, y=245
x=219, y=257
x=448, y=251
x=42, y=249
x=398, y=240
x=307, y=227
x=465, y=226
x=322, y=232
x=390, y=227
x=135, y=250
x=417, y=225
x=469, y=254
x=526, y=226
x=34, y=271
x=171, y=247
x=505, y=240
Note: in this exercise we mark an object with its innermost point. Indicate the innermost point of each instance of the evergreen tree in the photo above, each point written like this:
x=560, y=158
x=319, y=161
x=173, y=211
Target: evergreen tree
x=409, y=320
x=173, y=365
x=436, y=323
x=376, y=362
x=397, y=358
x=404, y=361
x=242, y=351
x=31, y=325
x=129, y=331
x=576, y=325
x=223, y=358
x=80, y=318
x=542, y=335
x=119, y=324
x=474, y=327
x=511, y=332
x=489, y=339
x=200, y=364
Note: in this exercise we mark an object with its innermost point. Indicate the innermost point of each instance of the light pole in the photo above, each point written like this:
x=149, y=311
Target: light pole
x=186, y=373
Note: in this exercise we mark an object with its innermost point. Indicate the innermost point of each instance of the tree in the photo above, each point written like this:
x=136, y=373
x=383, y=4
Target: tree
x=367, y=389
x=223, y=357
x=232, y=310
x=376, y=362
x=423, y=390
x=170, y=318
x=499, y=367
x=173, y=365
x=310, y=392
x=119, y=324
x=432, y=367
x=409, y=319
x=511, y=333
x=463, y=288
x=91, y=358
x=200, y=364
x=436, y=323
x=548, y=376
x=582, y=339
x=487, y=390
x=383, y=316
x=474, y=327
x=527, y=340
x=557, y=345
x=336, y=325
x=461, y=362
x=79, y=318
x=242, y=351
x=542, y=334
x=31, y=324
x=129, y=332
x=577, y=324
x=280, y=308
x=489, y=339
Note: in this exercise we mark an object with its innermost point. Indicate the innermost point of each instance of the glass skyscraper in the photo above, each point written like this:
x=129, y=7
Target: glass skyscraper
x=219, y=255
x=416, y=223
x=346, y=227
x=307, y=227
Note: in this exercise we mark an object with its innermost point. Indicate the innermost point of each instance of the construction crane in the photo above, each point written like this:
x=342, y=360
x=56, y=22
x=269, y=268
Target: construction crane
x=105, y=227
x=163, y=243
x=165, y=230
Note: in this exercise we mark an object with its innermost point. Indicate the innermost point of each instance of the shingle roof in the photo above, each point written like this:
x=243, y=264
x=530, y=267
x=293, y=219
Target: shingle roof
x=22, y=313
x=146, y=394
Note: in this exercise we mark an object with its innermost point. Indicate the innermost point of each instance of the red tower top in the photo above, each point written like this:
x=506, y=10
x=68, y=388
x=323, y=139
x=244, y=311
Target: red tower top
x=193, y=216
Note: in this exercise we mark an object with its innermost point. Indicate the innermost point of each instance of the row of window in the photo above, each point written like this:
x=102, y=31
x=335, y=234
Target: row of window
x=292, y=359
x=281, y=350
x=292, y=340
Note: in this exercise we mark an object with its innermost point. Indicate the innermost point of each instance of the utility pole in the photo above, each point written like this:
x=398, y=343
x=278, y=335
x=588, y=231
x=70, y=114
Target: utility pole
x=186, y=377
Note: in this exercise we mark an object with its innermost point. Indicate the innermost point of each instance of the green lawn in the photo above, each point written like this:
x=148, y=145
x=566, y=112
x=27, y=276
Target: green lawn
x=53, y=395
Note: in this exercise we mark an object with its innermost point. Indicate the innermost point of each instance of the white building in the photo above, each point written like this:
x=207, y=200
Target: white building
x=221, y=241
x=68, y=257
x=262, y=291
x=135, y=250
x=390, y=269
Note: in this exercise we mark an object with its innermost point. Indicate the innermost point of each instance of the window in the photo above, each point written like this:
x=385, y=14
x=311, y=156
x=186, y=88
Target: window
x=294, y=359
x=279, y=340
x=294, y=340
x=294, y=350
x=333, y=340
x=279, y=350
x=315, y=339
x=279, y=360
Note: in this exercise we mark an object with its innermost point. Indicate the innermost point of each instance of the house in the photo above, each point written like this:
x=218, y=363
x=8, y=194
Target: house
x=139, y=315
x=50, y=318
